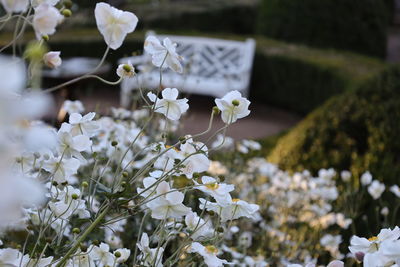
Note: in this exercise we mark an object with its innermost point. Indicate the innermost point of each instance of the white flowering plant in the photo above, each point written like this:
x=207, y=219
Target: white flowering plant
x=122, y=190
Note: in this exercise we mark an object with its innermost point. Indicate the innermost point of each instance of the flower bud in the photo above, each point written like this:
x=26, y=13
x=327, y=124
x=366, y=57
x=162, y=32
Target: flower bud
x=76, y=230
x=74, y=196
x=83, y=247
x=36, y=155
x=125, y=174
x=66, y=13
x=52, y=59
x=216, y=110
x=85, y=184
x=45, y=38
x=67, y=4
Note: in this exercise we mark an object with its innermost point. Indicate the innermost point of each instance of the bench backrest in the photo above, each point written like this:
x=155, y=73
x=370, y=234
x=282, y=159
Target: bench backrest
x=210, y=58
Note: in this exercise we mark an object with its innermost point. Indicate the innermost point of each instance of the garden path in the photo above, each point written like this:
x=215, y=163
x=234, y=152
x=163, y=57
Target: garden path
x=263, y=120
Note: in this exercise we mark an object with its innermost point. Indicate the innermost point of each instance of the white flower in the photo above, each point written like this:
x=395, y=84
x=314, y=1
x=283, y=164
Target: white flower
x=209, y=253
x=72, y=146
x=168, y=204
x=345, y=175
x=385, y=211
x=52, y=59
x=12, y=76
x=163, y=55
x=233, y=106
x=194, y=158
x=45, y=20
x=336, y=263
x=375, y=259
x=73, y=106
x=199, y=229
x=395, y=190
x=342, y=221
x=36, y=3
x=358, y=244
x=114, y=24
x=10, y=257
x=82, y=260
x=125, y=70
x=223, y=142
x=391, y=250
x=236, y=209
x=331, y=243
x=150, y=255
x=124, y=255
x=376, y=189
x=81, y=125
x=15, y=6
x=102, y=254
x=246, y=145
x=61, y=169
x=366, y=178
x=220, y=192
x=169, y=105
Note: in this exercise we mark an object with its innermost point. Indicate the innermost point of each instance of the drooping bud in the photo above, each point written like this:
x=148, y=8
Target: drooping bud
x=66, y=13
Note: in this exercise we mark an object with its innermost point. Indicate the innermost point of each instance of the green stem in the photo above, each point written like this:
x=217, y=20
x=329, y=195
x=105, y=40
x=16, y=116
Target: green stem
x=83, y=237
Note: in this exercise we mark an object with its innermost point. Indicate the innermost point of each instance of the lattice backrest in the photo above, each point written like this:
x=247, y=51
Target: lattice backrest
x=214, y=58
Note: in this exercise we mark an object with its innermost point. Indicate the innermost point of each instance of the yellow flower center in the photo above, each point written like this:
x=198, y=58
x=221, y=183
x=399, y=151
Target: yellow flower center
x=174, y=148
x=235, y=200
x=212, y=186
x=374, y=238
x=211, y=249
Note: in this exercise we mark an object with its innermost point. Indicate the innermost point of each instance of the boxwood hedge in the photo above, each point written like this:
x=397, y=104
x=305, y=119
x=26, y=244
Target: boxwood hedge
x=358, y=130
x=357, y=25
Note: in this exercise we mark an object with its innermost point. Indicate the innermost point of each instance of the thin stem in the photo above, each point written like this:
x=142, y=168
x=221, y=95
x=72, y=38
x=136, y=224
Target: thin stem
x=83, y=236
x=86, y=76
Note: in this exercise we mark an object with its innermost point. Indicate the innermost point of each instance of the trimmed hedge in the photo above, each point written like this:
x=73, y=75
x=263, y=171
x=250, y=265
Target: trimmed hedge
x=299, y=78
x=358, y=130
x=356, y=25
x=289, y=76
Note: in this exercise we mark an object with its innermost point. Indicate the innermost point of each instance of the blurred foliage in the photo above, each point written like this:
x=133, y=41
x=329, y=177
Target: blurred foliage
x=357, y=25
x=299, y=78
x=357, y=130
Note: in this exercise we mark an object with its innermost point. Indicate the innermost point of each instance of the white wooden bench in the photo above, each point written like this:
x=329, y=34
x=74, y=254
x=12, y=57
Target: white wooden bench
x=211, y=67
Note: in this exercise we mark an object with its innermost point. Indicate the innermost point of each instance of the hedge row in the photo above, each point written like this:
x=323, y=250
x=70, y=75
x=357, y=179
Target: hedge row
x=356, y=25
x=289, y=76
x=358, y=130
x=299, y=78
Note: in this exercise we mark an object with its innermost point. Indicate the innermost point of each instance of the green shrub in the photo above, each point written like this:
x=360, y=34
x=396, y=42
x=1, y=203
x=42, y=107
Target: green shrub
x=358, y=130
x=300, y=79
x=237, y=19
x=356, y=25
